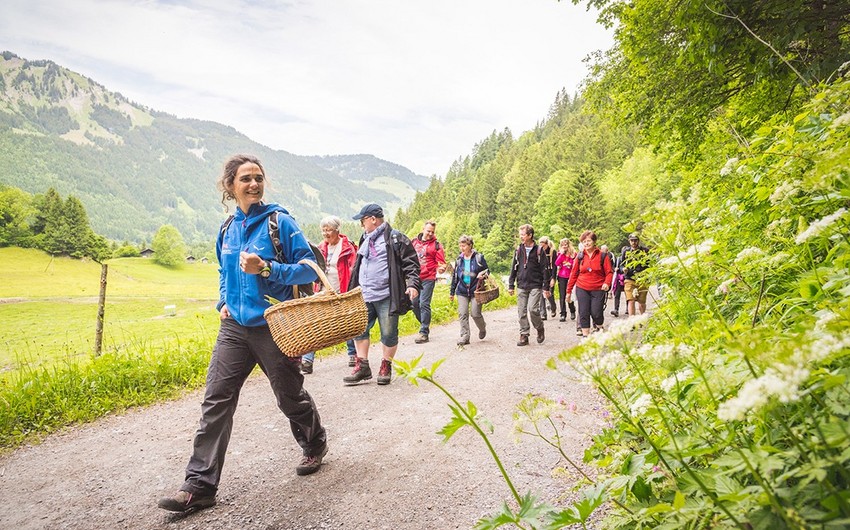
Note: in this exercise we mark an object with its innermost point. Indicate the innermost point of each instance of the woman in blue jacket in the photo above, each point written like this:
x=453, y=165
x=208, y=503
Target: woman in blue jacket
x=470, y=267
x=249, y=271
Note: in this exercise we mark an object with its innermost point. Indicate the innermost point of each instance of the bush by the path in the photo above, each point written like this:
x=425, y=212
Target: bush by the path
x=735, y=411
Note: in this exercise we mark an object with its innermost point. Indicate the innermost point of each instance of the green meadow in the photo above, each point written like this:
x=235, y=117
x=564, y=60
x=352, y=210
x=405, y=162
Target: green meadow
x=48, y=308
x=49, y=375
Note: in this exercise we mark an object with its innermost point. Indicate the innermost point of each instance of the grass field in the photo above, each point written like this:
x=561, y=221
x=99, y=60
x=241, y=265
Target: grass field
x=49, y=306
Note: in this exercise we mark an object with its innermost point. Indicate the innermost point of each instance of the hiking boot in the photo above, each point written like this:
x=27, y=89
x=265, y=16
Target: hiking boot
x=351, y=361
x=311, y=464
x=421, y=339
x=386, y=372
x=463, y=342
x=553, y=313
x=563, y=318
x=615, y=313
x=523, y=340
x=306, y=367
x=572, y=315
x=543, y=315
x=541, y=335
x=361, y=372
x=183, y=501
x=579, y=333
x=596, y=329
x=482, y=333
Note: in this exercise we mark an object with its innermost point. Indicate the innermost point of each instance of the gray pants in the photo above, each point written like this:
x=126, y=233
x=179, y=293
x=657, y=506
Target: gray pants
x=238, y=349
x=463, y=313
x=528, y=302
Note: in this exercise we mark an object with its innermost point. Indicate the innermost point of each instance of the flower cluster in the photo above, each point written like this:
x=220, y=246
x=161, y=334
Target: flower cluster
x=688, y=256
x=818, y=227
x=782, y=383
x=785, y=191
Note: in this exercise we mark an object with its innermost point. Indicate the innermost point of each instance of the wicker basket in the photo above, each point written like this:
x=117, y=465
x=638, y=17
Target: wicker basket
x=486, y=291
x=309, y=324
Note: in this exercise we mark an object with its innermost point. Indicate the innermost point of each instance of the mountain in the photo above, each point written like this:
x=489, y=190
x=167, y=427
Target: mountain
x=135, y=168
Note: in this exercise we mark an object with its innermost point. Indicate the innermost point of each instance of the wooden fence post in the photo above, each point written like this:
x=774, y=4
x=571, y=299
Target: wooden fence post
x=101, y=303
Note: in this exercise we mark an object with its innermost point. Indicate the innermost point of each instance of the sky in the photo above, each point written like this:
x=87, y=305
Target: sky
x=417, y=83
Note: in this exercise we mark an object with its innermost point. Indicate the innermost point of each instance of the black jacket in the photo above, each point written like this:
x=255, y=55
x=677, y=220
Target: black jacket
x=530, y=273
x=403, y=264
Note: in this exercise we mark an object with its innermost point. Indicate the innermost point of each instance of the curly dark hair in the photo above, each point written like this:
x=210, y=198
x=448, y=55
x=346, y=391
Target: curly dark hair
x=225, y=181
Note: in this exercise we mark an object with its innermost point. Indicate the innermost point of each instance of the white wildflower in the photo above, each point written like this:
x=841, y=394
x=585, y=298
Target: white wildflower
x=723, y=288
x=778, y=227
x=730, y=165
x=640, y=405
x=687, y=257
x=782, y=383
x=676, y=379
x=842, y=120
x=818, y=227
x=785, y=191
x=780, y=258
x=611, y=361
x=827, y=345
x=748, y=254
x=825, y=316
x=736, y=210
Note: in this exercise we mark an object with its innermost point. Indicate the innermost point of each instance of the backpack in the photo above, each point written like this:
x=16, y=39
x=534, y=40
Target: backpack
x=539, y=253
x=602, y=255
x=304, y=289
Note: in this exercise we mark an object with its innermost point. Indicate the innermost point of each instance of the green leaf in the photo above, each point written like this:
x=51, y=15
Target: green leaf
x=678, y=500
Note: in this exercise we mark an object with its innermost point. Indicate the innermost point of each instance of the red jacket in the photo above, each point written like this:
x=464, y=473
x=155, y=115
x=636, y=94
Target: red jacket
x=431, y=255
x=347, y=255
x=587, y=273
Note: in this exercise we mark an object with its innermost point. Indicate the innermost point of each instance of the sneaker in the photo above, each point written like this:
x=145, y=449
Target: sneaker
x=563, y=318
x=572, y=315
x=595, y=329
x=183, y=501
x=553, y=313
x=543, y=315
x=463, y=342
x=523, y=340
x=615, y=313
x=386, y=372
x=311, y=464
x=541, y=335
x=351, y=360
x=306, y=367
x=579, y=333
x=421, y=339
x=361, y=372
x=482, y=333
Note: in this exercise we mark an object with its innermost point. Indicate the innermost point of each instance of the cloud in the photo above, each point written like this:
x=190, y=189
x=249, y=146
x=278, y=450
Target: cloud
x=417, y=83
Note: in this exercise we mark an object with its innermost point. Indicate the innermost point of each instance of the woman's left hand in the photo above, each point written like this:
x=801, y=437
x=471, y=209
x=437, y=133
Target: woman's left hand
x=605, y=287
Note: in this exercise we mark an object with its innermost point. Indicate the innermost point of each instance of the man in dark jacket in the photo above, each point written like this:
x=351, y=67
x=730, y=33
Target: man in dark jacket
x=530, y=273
x=387, y=270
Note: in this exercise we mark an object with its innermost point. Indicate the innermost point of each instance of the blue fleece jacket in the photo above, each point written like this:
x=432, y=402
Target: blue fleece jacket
x=244, y=293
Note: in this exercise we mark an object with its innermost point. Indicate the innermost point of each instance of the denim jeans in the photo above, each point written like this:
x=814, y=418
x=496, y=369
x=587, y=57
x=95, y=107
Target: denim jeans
x=387, y=323
x=238, y=349
x=422, y=306
x=311, y=356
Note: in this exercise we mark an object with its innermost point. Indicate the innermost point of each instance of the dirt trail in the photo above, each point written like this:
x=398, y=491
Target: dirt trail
x=386, y=468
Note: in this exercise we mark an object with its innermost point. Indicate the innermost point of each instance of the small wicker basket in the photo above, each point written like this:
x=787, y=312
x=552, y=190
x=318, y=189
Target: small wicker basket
x=309, y=324
x=486, y=291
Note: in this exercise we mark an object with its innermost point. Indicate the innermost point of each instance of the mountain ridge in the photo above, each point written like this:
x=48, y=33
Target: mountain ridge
x=135, y=168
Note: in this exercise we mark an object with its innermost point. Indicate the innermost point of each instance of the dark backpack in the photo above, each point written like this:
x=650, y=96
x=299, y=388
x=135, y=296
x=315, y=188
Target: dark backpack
x=305, y=289
x=539, y=253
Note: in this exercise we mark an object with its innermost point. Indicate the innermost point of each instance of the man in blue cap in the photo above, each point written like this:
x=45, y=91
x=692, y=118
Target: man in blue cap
x=387, y=271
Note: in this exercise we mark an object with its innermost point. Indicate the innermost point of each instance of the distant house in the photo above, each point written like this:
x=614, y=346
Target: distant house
x=205, y=260
x=146, y=253
x=190, y=259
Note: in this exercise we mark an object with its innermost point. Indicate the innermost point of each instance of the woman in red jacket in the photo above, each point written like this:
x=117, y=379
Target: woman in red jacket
x=339, y=253
x=591, y=275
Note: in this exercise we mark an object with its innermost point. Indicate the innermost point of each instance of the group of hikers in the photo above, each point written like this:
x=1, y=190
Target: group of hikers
x=259, y=249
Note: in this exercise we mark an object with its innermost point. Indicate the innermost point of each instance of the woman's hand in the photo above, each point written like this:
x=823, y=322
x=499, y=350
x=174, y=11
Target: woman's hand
x=251, y=263
x=605, y=286
x=451, y=298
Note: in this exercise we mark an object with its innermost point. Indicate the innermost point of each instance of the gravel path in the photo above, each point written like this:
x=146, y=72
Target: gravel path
x=386, y=468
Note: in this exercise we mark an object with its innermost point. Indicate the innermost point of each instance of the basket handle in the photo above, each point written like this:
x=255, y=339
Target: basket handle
x=320, y=273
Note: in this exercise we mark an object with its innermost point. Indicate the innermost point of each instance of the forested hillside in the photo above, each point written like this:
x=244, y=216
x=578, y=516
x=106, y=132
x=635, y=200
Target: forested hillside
x=135, y=169
x=721, y=132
